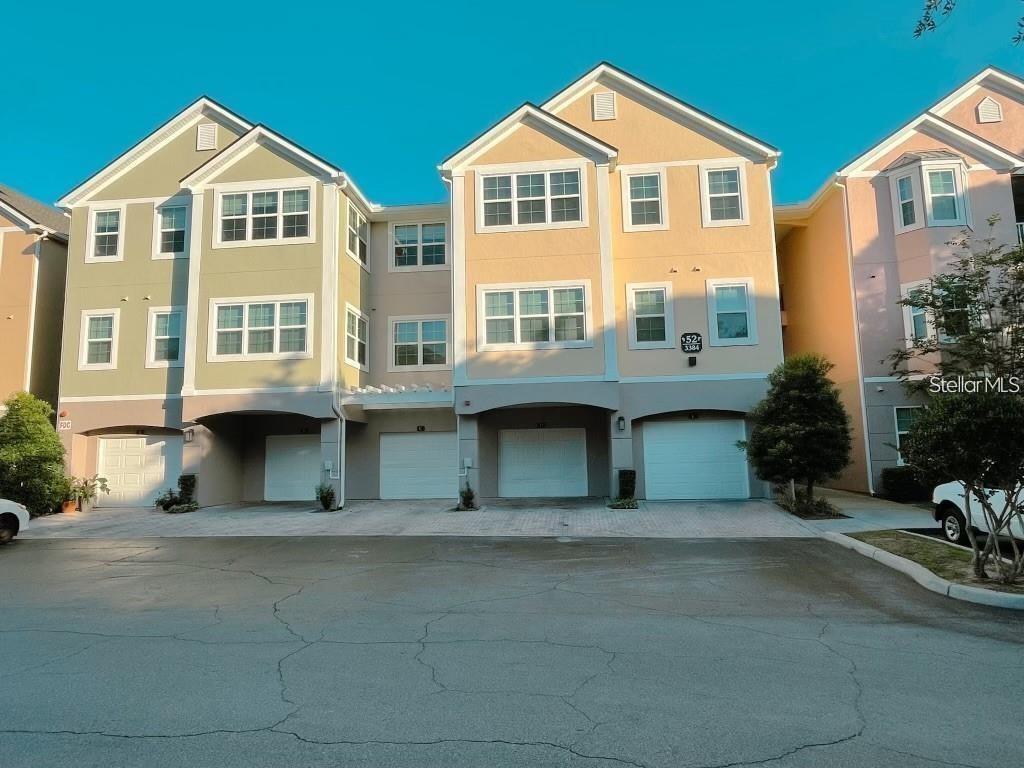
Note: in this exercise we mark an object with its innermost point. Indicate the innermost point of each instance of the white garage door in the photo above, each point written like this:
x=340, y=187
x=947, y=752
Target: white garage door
x=292, y=468
x=138, y=469
x=542, y=462
x=695, y=460
x=419, y=465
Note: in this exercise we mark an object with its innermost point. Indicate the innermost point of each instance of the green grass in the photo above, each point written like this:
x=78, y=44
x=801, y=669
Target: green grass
x=950, y=563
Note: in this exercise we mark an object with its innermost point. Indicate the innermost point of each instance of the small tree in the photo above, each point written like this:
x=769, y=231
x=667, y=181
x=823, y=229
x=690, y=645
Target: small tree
x=801, y=429
x=31, y=456
x=979, y=440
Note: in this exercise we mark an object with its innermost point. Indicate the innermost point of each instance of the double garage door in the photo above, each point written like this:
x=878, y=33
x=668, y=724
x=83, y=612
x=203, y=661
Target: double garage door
x=695, y=460
x=138, y=468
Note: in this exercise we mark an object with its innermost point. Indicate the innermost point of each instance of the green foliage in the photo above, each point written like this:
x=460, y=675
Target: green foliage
x=182, y=501
x=182, y=507
x=627, y=483
x=624, y=502
x=326, y=496
x=467, y=498
x=935, y=12
x=85, y=489
x=801, y=429
x=902, y=484
x=804, y=506
x=31, y=456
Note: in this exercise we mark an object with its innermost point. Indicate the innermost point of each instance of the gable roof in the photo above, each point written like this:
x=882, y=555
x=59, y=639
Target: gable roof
x=138, y=152
x=990, y=76
x=258, y=135
x=644, y=92
x=532, y=115
x=35, y=213
x=924, y=155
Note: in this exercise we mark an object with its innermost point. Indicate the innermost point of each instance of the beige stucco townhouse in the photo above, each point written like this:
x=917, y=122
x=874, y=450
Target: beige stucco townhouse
x=882, y=225
x=33, y=258
x=238, y=309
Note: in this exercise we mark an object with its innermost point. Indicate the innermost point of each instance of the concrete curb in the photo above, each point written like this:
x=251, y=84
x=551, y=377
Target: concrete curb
x=926, y=578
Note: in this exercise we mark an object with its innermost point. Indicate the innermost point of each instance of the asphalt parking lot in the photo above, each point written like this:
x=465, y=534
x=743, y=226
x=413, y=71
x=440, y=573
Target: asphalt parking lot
x=458, y=652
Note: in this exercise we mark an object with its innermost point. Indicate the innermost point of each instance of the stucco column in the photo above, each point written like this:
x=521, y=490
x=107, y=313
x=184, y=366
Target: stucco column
x=469, y=450
x=621, y=442
x=331, y=436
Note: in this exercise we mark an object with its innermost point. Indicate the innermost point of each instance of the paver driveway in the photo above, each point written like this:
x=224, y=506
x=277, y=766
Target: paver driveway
x=421, y=652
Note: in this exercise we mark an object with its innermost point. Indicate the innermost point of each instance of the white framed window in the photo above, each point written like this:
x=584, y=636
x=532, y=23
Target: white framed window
x=261, y=328
x=731, y=317
x=170, y=229
x=265, y=216
x=524, y=198
x=358, y=241
x=357, y=335
x=651, y=316
x=420, y=343
x=904, y=417
x=550, y=316
x=945, y=196
x=418, y=246
x=106, y=234
x=98, y=345
x=723, y=194
x=918, y=323
x=644, y=205
x=166, y=345
x=906, y=195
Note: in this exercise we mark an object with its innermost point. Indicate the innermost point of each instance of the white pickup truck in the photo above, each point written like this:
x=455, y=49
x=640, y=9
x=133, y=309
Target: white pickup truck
x=949, y=512
x=13, y=518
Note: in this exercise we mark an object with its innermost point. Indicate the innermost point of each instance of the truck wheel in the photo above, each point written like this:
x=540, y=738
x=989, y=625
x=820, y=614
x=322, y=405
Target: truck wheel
x=954, y=525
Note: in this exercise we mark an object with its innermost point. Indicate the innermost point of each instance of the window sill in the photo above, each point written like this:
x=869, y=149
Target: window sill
x=358, y=366
x=733, y=343
x=531, y=346
x=169, y=256
x=482, y=229
x=165, y=364
x=708, y=223
x=97, y=366
x=644, y=227
x=417, y=368
x=418, y=268
x=357, y=260
x=641, y=345
x=259, y=357
x=217, y=245
x=103, y=260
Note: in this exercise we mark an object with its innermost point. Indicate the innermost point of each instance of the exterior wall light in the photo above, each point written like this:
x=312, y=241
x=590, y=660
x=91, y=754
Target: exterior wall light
x=621, y=423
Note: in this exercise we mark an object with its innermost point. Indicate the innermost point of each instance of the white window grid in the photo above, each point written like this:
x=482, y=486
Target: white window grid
x=253, y=330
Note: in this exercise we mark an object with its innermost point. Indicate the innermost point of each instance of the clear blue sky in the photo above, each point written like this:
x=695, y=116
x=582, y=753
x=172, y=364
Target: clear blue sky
x=386, y=90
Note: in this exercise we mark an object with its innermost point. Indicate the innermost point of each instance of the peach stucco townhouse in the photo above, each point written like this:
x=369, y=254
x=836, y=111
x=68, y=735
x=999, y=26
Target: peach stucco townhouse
x=600, y=294
x=880, y=226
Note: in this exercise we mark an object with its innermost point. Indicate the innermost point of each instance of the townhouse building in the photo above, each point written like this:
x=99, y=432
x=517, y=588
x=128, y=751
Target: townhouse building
x=33, y=259
x=600, y=293
x=881, y=226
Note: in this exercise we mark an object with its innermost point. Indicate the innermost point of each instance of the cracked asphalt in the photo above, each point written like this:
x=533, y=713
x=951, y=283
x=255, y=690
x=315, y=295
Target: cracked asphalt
x=417, y=652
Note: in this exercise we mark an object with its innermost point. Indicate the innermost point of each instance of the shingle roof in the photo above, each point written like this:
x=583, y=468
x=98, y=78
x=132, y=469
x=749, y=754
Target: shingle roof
x=925, y=154
x=35, y=211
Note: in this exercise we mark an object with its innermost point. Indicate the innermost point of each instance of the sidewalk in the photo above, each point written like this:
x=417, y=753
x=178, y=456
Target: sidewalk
x=866, y=513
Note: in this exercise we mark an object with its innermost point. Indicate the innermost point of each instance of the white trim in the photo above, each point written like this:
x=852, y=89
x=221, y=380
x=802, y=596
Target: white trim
x=211, y=333
x=959, y=193
x=605, y=240
x=914, y=174
x=725, y=282
x=908, y=315
x=512, y=170
x=259, y=391
x=349, y=229
x=539, y=120
x=550, y=286
x=393, y=319
x=625, y=174
x=880, y=379
x=250, y=188
x=90, y=242
x=623, y=380
x=179, y=201
x=460, y=335
x=190, y=116
x=151, y=362
x=705, y=203
x=988, y=110
x=696, y=377
x=329, y=290
x=117, y=398
x=972, y=85
x=83, y=334
x=897, y=432
x=670, y=326
x=30, y=346
x=606, y=75
x=365, y=367
x=419, y=266
x=192, y=307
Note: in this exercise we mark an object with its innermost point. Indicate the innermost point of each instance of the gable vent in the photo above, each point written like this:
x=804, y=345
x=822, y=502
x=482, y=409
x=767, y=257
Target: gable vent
x=206, y=136
x=604, y=106
x=989, y=111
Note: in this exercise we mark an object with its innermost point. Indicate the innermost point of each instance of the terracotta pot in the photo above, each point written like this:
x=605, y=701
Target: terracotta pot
x=69, y=506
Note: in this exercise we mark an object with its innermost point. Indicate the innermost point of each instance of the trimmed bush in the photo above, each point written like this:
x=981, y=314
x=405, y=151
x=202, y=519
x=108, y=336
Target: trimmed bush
x=182, y=501
x=326, y=496
x=31, y=456
x=627, y=483
x=903, y=485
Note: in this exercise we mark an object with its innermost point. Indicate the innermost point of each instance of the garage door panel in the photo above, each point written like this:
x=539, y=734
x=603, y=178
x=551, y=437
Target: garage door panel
x=138, y=469
x=419, y=465
x=695, y=460
x=292, y=467
x=542, y=462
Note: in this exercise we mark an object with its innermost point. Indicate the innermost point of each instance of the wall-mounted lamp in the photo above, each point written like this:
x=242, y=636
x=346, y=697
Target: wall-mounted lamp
x=124, y=298
x=621, y=423
x=189, y=435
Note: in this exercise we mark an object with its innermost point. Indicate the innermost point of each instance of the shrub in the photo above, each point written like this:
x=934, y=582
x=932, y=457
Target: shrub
x=31, y=456
x=903, y=485
x=624, y=502
x=326, y=496
x=804, y=506
x=169, y=500
x=467, y=498
x=187, y=506
x=85, y=489
x=187, y=487
x=627, y=483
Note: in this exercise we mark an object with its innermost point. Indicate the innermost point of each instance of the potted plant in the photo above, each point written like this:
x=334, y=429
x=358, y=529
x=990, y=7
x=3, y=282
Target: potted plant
x=326, y=496
x=85, y=489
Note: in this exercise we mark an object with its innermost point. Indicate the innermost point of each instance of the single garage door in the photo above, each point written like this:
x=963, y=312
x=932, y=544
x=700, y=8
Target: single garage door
x=419, y=465
x=542, y=462
x=292, y=468
x=138, y=469
x=695, y=459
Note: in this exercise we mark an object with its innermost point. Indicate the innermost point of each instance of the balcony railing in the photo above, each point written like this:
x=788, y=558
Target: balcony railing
x=1020, y=232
